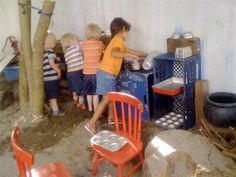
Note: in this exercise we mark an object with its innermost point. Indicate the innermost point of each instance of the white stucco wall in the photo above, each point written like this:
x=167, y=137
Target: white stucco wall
x=214, y=21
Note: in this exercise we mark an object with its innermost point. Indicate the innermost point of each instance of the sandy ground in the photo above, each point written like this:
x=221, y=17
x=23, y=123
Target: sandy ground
x=56, y=139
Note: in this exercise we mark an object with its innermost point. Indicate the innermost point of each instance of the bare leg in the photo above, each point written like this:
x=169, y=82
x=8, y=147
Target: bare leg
x=101, y=107
x=90, y=102
x=95, y=102
x=53, y=104
x=81, y=99
x=75, y=97
x=55, y=109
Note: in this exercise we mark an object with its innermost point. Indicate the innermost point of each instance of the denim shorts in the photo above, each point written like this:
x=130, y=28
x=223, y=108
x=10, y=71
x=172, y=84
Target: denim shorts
x=51, y=89
x=106, y=82
x=89, y=84
x=75, y=81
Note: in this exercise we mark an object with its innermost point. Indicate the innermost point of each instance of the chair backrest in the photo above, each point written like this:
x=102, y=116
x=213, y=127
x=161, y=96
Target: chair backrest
x=132, y=120
x=24, y=159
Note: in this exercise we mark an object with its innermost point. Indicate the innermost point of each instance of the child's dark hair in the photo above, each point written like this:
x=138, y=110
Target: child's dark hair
x=117, y=25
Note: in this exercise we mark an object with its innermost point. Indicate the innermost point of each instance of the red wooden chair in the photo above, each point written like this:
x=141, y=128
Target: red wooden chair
x=130, y=128
x=25, y=160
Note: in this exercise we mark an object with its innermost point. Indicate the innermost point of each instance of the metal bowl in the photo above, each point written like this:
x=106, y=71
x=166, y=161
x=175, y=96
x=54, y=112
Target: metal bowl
x=167, y=116
x=169, y=121
x=172, y=113
x=171, y=126
x=158, y=122
x=164, y=124
x=174, y=118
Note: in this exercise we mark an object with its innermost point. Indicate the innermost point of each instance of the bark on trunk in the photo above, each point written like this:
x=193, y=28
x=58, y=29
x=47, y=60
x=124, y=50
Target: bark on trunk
x=23, y=87
x=25, y=79
x=38, y=50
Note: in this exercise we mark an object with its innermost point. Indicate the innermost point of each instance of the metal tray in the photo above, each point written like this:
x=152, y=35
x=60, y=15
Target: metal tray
x=170, y=121
x=108, y=140
x=171, y=86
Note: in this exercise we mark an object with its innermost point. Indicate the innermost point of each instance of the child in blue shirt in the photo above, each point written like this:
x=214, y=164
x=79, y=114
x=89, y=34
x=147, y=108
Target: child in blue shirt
x=51, y=74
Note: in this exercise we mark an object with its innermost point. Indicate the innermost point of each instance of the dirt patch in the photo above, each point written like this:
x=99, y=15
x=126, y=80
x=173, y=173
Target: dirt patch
x=149, y=130
x=51, y=130
x=4, y=145
x=48, y=131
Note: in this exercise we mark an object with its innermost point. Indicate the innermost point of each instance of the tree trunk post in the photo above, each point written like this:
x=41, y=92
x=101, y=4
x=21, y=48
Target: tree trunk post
x=23, y=86
x=25, y=78
x=38, y=51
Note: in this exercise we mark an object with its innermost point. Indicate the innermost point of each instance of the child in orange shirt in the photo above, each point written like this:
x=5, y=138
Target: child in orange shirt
x=110, y=68
x=92, y=50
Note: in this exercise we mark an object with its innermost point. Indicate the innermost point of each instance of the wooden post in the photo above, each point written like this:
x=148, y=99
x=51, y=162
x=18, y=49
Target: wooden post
x=38, y=50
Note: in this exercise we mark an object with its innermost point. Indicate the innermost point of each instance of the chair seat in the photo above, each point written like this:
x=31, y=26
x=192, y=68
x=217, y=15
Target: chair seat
x=121, y=156
x=56, y=169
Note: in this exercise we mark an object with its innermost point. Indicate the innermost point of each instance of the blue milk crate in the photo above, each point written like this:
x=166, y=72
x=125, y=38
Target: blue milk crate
x=167, y=66
x=138, y=84
x=11, y=73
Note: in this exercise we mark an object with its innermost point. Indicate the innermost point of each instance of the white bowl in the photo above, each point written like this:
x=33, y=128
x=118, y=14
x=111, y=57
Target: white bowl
x=188, y=35
x=176, y=36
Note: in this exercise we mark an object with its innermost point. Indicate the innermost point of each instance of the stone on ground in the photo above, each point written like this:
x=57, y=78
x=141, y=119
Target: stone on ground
x=179, y=153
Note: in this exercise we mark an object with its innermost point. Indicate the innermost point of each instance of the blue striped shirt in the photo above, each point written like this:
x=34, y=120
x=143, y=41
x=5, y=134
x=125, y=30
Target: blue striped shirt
x=49, y=73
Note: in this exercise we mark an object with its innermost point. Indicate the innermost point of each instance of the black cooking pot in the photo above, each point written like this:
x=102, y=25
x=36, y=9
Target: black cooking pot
x=220, y=109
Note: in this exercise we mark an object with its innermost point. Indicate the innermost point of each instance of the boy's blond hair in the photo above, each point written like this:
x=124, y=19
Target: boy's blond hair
x=68, y=40
x=50, y=41
x=93, y=31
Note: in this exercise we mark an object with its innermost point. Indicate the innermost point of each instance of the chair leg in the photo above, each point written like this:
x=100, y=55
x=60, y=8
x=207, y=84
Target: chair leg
x=95, y=163
x=131, y=171
x=140, y=155
x=119, y=170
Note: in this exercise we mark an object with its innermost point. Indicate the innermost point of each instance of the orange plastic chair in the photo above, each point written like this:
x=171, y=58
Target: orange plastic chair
x=25, y=160
x=130, y=128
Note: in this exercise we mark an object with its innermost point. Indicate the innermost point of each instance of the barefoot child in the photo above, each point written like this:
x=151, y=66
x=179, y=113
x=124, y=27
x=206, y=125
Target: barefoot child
x=51, y=74
x=92, y=50
x=74, y=62
x=110, y=68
